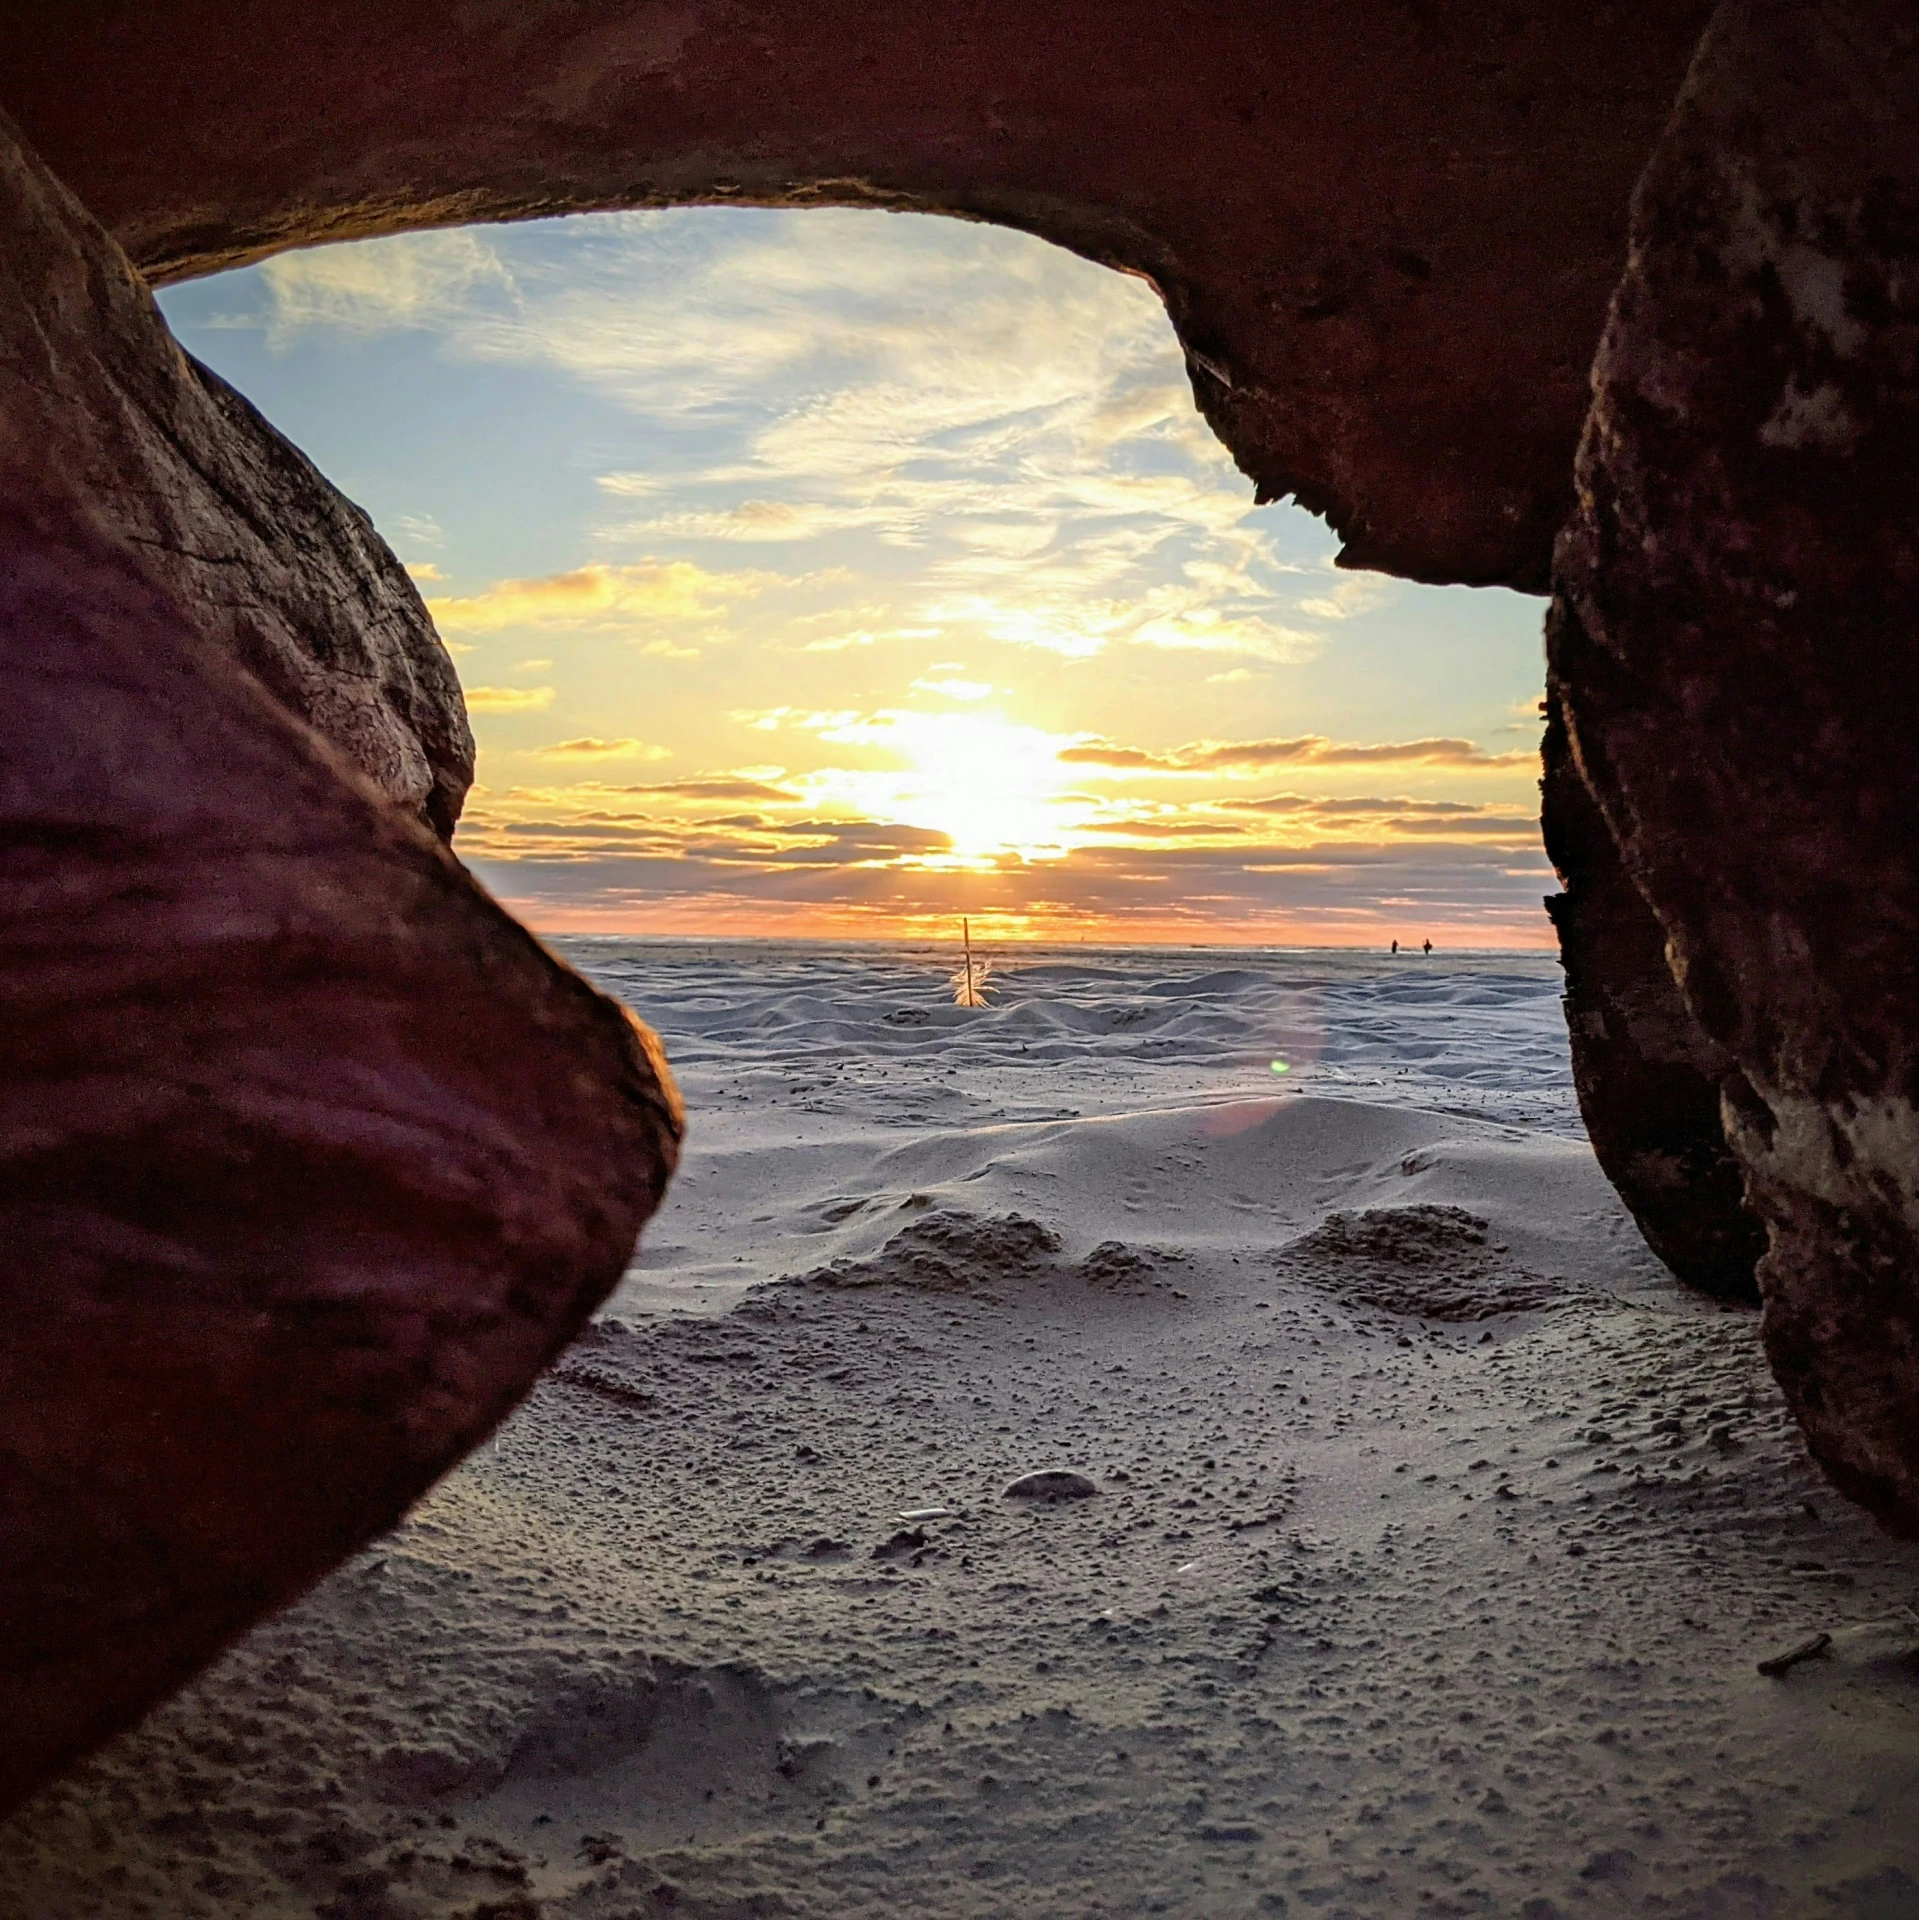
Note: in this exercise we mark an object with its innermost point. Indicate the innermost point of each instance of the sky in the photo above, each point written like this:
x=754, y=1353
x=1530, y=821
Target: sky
x=835, y=573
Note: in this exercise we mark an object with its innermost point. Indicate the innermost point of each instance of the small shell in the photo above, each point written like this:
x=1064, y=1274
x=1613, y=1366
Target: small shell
x=1050, y=1484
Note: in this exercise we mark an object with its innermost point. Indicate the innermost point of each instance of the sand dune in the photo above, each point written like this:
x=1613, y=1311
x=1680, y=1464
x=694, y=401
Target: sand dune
x=1435, y=1541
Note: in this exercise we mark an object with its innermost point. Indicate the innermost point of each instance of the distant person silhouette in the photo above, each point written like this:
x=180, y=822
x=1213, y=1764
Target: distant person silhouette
x=1429, y=946
x=1395, y=946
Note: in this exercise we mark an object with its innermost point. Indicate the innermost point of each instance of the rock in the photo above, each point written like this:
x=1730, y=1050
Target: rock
x=310, y=1158
x=1386, y=233
x=1736, y=599
x=1051, y=1484
x=219, y=512
x=1646, y=1072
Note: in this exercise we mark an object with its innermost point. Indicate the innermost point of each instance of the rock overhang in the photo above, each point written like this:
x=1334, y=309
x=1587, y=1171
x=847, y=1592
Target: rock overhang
x=1386, y=233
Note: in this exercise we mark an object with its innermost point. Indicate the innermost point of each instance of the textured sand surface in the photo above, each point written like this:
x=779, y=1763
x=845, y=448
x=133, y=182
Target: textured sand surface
x=1436, y=1539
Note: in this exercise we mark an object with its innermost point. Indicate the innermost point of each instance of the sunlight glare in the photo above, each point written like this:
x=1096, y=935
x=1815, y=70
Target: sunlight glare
x=992, y=786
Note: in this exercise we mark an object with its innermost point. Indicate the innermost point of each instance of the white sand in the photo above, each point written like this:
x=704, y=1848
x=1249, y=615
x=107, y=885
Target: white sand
x=1431, y=1558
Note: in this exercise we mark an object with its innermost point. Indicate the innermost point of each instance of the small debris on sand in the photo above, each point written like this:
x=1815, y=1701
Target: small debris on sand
x=1782, y=1663
x=1051, y=1484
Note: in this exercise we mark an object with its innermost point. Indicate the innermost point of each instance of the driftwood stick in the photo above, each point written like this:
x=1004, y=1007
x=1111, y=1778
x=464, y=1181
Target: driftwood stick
x=1806, y=1650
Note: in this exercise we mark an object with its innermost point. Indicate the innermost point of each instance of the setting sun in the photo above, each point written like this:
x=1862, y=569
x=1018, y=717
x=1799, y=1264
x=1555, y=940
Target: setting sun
x=991, y=786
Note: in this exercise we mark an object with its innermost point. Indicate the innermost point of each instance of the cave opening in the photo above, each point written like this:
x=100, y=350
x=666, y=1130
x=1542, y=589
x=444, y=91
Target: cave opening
x=1133, y=1457
x=837, y=572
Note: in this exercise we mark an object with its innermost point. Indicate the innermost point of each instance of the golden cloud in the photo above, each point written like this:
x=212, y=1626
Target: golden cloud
x=721, y=787
x=591, y=747
x=508, y=699
x=1351, y=804
x=649, y=590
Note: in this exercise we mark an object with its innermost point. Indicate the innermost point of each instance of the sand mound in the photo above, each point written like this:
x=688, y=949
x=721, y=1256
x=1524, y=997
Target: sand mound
x=1121, y=1268
x=949, y=1251
x=1423, y=1262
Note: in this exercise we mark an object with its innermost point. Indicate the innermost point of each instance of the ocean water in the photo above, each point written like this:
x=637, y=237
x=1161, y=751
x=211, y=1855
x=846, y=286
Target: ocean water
x=764, y=1034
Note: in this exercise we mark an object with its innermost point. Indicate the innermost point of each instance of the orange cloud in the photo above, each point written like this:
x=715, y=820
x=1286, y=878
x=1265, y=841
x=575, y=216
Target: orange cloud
x=1306, y=749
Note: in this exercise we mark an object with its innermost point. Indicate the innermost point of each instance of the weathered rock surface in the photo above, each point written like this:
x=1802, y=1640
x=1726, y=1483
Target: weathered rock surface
x=310, y=1158
x=1386, y=231
x=1646, y=1072
x=218, y=510
x=1739, y=594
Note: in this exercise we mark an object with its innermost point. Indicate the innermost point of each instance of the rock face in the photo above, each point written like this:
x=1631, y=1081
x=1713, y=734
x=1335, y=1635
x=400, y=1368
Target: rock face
x=1738, y=596
x=310, y=1158
x=218, y=510
x=1647, y=1074
x=1386, y=231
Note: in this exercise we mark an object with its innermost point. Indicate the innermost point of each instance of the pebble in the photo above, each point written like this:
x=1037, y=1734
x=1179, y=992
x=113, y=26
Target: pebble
x=1050, y=1484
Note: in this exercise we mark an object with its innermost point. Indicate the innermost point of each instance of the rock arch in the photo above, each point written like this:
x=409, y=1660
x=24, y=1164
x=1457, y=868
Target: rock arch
x=267, y=1196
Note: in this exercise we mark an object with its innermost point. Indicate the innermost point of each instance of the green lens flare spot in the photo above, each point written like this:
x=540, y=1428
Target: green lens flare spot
x=1280, y=1066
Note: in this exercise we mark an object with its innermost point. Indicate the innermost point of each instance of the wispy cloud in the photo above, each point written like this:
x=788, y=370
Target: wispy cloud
x=723, y=787
x=1012, y=415
x=1352, y=595
x=412, y=281
x=591, y=747
x=1458, y=894
x=651, y=590
x=1309, y=749
x=764, y=521
x=995, y=562
x=508, y=699
x=1299, y=803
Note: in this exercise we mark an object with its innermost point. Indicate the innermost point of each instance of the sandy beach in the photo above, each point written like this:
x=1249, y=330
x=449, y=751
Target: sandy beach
x=1433, y=1541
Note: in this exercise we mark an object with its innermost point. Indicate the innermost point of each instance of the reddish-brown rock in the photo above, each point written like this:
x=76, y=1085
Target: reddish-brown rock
x=218, y=509
x=1646, y=1073
x=1739, y=596
x=1386, y=229
x=310, y=1158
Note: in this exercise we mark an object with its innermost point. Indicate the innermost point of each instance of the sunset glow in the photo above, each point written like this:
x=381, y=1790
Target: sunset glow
x=838, y=573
